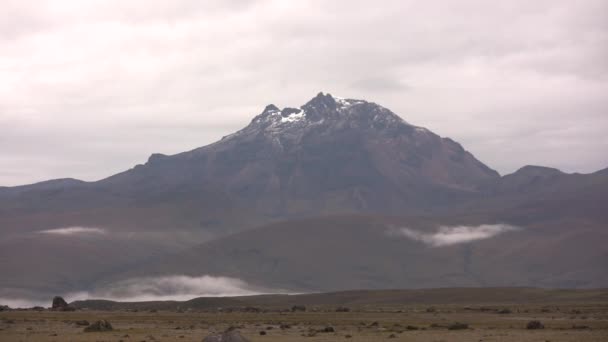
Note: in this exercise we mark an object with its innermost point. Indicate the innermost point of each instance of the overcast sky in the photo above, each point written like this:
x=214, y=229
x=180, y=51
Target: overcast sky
x=91, y=88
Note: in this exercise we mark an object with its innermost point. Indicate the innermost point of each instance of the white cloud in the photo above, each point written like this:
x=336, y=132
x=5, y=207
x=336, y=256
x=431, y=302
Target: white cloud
x=73, y=231
x=173, y=287
x=452, y=235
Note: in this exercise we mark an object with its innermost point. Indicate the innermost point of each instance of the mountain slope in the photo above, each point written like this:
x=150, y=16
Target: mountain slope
x=540, y=193
x=354, y=252
x=560, y=241
x=330, y=157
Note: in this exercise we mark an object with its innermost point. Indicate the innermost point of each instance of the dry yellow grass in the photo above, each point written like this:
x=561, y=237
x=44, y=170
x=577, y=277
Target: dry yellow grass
x=485, y=324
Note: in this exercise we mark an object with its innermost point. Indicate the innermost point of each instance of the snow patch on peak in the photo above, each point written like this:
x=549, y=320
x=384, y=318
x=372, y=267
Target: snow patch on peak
x=343, y=103
x=294, y=117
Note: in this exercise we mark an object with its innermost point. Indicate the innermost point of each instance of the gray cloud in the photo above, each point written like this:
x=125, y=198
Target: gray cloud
x=92, y=88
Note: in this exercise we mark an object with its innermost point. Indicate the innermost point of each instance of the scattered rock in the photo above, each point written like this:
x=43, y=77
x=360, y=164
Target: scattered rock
x=296, y=308
x=580, y=327
x=262, y=332
x=328, y=330
x=59, y=304
x=227, y=336
x=98, y=326
x=535, y=325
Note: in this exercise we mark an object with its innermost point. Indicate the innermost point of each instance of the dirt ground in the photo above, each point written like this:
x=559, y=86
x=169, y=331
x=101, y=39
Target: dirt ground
x=583, y=322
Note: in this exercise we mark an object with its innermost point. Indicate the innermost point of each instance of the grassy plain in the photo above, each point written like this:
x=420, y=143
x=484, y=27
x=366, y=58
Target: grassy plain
x=500, y=322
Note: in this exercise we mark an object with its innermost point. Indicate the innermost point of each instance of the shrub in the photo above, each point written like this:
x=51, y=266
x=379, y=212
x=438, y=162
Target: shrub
x=535, y=325
x=458, y=326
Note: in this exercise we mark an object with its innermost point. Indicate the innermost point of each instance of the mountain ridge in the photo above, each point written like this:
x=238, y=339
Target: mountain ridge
x=320, y=100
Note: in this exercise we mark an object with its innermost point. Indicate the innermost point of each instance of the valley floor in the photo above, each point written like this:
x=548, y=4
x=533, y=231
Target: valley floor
x=562, y=322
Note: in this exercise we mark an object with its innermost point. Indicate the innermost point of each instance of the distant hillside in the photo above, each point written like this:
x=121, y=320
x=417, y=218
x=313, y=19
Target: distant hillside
x=359, y=252
x=375, y=299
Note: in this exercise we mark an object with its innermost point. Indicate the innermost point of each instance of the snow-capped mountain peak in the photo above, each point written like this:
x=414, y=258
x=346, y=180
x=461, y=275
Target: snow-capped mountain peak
x=327, y=111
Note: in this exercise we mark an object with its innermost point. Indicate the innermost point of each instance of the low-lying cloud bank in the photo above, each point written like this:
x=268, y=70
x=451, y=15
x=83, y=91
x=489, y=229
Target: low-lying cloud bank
x=73, y=231
x=175, y=287
x=24, y=303
x=452, y=235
